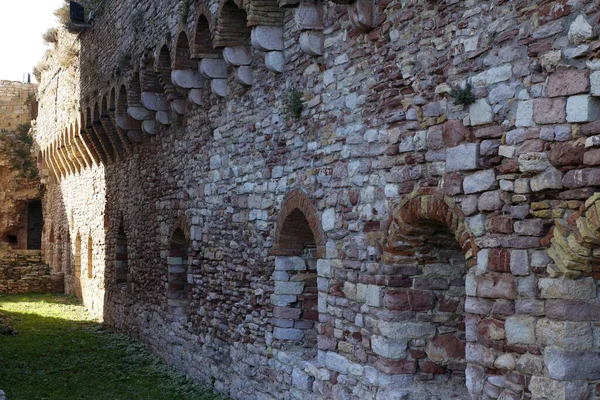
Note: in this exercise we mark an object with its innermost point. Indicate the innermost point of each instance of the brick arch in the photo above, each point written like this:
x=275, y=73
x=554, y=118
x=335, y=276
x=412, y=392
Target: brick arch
x=182, y=52
x=112, y=100
x=202, y=44
x=183, y=224
x=264, y=12
x=122, y=101
x=134, y=92
x=148, y=78
x=573, y=241
x=163, y=69
x=232, y=25
x=417, y=218
x=297, y=205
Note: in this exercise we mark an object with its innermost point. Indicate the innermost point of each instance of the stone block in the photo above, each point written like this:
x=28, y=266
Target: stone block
x=568, y=335
x=453, y=133
x=308, y=17
x=180, y=106
x=564, y=288
x=549, y=111
x=324, y=268
x=480, y=113
x=542, y=387
x=572, y=365
x=294, y=288
x=568, y=82
x=163, y=117
x=490, y=201
x=462, y=158
x=213, y=68
x=580, y=31
x=519, y=262
x=244, y=75
x=328, y=219
x=479, y=181
x=196, y=96
x=583, y=108
x=286, y=263
x=267, y=38
x=155, y=101
x=478, y=306
x=187, y=79
x=530, y=364
x=524, y=116
x=445, y=349
x=520, y=330
x=405, y=331
x=283, y=300
x=595, y=83
x=149, y=127
x=311, y=42
x=288, y=333
x=275, y=61
x=237, y=55
x=302, y=380
x=533, y=162
x=563, y=154
x=219, y=87
x=501, y=286
x=336, y=362
x=139, y=113
x=388, y=348
x=549, y=179
x=572, y=310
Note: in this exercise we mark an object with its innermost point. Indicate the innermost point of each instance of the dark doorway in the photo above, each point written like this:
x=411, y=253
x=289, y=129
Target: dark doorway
x=35, y=221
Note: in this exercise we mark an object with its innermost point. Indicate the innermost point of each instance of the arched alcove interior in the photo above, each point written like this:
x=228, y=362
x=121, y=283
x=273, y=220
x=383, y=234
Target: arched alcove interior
x=134, y=94
x=177, y=270
x=232, y=26
x=164, y=73
x=122, y=258
x=425, y=257
x=183, y=56
x=298, y=245
x=203, y=46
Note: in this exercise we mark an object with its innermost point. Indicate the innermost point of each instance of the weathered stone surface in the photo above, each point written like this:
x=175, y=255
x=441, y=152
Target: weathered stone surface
x=568, y=82
x=213, y=68
x=238, y=55
x=196, y=96
x=308, y=17
x=549, y=179
x=497, y=286
x=463, y=157
x=187, y=79
x=155, y=101
x=566, y=154
x=572, y=365
x=244, y=75
x=481, y=113
x=524, y=116
x=267, y=38
x=583, y=108
x=139, y=113
x=579, y=30
x=549, y=111
x=520, y=330
x=312, y=43
x=219, y=87
x=275, y=61
x=533, y=162
x=444, y=349
x=479, y=181
x=568, y=335
x=582, y=288
x=546, y=388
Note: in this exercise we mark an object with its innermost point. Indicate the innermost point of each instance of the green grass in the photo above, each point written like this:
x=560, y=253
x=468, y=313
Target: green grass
x=62, y=353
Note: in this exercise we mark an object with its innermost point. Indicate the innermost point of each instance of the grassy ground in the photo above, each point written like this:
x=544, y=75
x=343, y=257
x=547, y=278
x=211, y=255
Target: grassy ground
x=62, y=353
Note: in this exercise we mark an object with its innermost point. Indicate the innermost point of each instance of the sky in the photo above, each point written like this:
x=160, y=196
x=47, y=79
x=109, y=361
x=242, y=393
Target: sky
x=22, y=24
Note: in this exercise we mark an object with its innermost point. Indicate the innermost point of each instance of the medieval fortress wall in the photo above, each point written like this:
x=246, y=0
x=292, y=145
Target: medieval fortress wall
x=392, y=239
x=15, y=104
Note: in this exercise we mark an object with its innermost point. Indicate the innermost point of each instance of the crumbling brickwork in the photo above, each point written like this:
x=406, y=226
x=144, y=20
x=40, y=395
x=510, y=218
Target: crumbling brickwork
x=17, y=102
x=423, y=226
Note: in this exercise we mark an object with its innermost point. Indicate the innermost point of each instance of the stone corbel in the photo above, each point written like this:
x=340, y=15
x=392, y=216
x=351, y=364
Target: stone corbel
x=309, y=19
x=269, y=39
x=361, y=14
x=215, y=69
x=240, y=57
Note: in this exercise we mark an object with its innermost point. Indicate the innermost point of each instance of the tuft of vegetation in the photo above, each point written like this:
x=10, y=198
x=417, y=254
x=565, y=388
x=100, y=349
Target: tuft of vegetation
x=184, y=11
x=16, y=147
x=68, y=57
x=463, y=96
x=64, y=14
x=293, y=102
x=62, y=352
x=30, y=99
x=123, y=64
x=51, y=36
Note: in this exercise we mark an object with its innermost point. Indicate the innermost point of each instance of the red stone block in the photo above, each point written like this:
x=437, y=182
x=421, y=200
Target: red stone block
x=454, y=133
x=497, y=286
x=549, y=111
x=566, y=154
x=592, y=157
x=568, y=82
x=429, y=367
x=501, y=224
x=395, y=366
x=445, y=348
x=499, y=260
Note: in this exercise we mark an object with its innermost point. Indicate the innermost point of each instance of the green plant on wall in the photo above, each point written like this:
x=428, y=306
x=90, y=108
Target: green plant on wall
x=184, y=11
x=293, y=102
x=123, y=63
x=463, y=96
x=16, y=147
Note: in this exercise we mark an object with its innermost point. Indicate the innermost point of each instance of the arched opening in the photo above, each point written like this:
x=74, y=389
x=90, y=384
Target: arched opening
x=58, y=255
x=203, y=47
x=177, y=270
x=232, y=26
x=90, y=258
x=122, y=101
x=427, y=253
x=122, y=258
x=35, y=222
x=77, y=271
x=164, y=72
x=183, y=54
x=299, y=243
x=112, y=103
x=134, y=94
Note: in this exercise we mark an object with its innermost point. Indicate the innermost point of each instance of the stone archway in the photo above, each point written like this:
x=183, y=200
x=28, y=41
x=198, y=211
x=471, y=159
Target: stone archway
x=427, y=253
x=299, y=244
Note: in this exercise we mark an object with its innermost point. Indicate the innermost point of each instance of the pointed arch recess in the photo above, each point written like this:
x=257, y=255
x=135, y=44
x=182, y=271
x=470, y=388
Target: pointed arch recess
x=415, y=220
x=284, y=244
x=202, y=45
x=232, y=25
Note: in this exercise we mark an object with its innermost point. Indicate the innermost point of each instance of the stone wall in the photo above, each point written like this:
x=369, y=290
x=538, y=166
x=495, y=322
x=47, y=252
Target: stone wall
x=22, y=271
x=17, y=101
x=424, y=227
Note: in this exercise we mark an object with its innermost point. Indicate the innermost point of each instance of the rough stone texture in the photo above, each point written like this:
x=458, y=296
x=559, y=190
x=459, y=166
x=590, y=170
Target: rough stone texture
x=373, y=182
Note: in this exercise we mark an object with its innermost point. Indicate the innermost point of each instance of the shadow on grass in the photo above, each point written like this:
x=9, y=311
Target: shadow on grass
x=61, y=358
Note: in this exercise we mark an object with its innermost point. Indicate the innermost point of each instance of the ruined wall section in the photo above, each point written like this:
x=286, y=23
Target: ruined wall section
x=378, y=131
x=16, y=102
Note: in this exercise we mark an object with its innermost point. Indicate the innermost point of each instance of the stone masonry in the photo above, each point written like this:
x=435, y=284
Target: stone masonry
x=350, y=199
